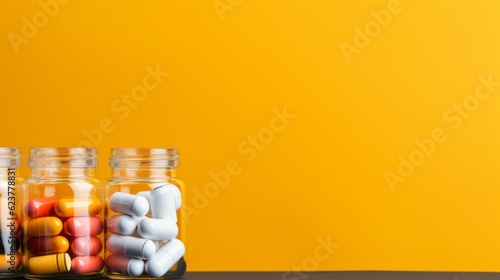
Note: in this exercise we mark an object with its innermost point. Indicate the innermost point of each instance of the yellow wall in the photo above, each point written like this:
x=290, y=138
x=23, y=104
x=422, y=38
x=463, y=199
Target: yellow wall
x=333, y=111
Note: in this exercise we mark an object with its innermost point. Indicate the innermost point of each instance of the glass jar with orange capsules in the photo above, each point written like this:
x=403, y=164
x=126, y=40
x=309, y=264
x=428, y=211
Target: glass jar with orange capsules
x=63, y=223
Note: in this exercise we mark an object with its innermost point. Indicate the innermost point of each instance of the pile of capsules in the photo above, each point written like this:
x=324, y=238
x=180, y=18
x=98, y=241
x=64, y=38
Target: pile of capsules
x=141, y=244
x=62, y=235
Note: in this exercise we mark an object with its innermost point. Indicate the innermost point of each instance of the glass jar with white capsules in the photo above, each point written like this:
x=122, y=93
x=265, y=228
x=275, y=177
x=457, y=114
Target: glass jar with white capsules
x=63, y=205
x=145, y=220
x=10, y=215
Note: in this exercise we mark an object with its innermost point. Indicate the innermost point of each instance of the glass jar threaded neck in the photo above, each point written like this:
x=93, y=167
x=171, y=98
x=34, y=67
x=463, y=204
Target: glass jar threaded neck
x=62, y=162
x=144, y=163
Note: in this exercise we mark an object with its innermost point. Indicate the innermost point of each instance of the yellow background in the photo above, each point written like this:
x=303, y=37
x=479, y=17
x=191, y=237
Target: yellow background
x=323, y=175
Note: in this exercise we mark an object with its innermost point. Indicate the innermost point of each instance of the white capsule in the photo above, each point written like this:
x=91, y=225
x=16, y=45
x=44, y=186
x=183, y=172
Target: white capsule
x=177, y=193
x=162, y=201
x=165, y=258
x=129, y=204
x=175, y=189
x=125, y=265
x=157, y=229
x=177, y=196
x=122, y=224
x=131, y=246
x=146, y=195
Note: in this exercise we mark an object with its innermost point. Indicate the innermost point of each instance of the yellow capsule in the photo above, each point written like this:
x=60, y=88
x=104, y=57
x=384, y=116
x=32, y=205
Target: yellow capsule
x=78, y=207
x=49, y=264
x=10, y=263
x=47, y=226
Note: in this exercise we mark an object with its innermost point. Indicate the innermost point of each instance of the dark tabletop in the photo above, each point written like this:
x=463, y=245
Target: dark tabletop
x=340, y=275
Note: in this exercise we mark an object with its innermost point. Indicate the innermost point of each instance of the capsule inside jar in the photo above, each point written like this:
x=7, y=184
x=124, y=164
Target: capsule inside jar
x=48, y=245
x=87, y=264
x=40, y=206
x=86, y=246
x=78, y=207
x=83, y=226
x=44, y=226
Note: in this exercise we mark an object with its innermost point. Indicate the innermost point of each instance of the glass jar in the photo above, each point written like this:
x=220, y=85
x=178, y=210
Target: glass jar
x=64, y=220
x=10, y=215
x=145, y=220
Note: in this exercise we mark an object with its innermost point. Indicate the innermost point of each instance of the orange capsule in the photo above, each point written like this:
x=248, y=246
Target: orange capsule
x=48, y=245
x=86, y=246
x=88, y=264
x=83, y=226
x=40, y=206
x=78, y=207
x=46, y=226
x=10, y=263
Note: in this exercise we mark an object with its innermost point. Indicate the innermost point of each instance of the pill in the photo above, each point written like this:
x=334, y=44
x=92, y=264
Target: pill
x=177, y=196
x=130, y=246
x=129, y=204
x=49, y=264
x=87, y=264
x=83, y=226
x=162, y=201
x=125, y=265
x=157, y=229
x=10, y=263
x=46, y=226
x=175, y=189
x=165, y=258
x=40, y=206
x=86, y=246
x=48, y=245
x=78, y=207
x=146, y=195
x=122, y=224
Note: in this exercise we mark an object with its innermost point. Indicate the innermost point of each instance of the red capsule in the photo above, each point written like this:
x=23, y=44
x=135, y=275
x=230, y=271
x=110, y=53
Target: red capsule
x=83, y=226
x=86, y=246
x=88, y=264
x=40, y=206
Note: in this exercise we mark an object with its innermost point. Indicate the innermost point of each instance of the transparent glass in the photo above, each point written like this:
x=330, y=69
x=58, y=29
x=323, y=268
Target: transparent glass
x=10, y=215
x=63, y=205
x=137, y=172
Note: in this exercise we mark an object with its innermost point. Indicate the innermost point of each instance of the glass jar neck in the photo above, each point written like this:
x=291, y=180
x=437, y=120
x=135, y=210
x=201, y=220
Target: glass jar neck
x=62, y=162
x=144, y=163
